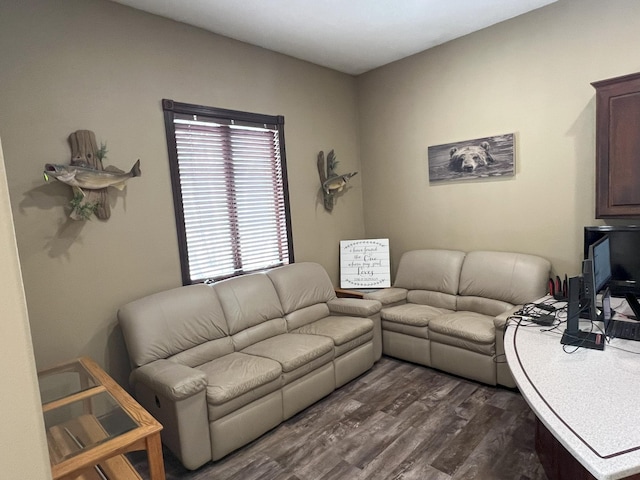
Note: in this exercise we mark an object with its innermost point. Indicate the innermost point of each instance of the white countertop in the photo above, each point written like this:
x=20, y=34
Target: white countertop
x=589, y=399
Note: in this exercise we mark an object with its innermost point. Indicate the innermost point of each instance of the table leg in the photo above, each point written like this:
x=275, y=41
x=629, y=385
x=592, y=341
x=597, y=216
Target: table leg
x=154, y=457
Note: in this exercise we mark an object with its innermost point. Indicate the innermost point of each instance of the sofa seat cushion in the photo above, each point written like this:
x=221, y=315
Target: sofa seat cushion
x=468, y=330
x=293, y=351
x=412, y=314
x=338, y=328
x=486, y=306
x=346, y=333
x=235, y=374
x=403, y=328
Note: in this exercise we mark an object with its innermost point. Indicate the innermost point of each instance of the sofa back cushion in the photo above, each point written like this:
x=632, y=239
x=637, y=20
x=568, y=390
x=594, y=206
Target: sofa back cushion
x=486, y=306
x=167, y=323
x=433, y=270
x=431, y=276
x=251, y=307
x=501, y=279
x=434, y=299
x=304, y=290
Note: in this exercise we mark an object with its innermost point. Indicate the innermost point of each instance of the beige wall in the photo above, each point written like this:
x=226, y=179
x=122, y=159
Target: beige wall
x=23, y=452
x=67, y=65
x=530, y=76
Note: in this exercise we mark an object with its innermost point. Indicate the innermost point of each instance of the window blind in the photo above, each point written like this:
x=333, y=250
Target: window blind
x=233, y=196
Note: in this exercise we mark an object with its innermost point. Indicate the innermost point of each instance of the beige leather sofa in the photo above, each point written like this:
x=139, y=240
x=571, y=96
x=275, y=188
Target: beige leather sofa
x=220, y=365
x=447, y=309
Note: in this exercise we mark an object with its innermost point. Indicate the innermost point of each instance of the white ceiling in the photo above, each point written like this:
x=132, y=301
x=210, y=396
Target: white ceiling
x=351, y=36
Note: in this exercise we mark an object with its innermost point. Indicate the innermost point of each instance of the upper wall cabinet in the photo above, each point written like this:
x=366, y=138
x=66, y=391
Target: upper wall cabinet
x=618, y=147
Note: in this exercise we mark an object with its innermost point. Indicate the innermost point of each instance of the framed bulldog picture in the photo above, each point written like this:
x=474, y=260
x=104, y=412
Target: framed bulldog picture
x=470, y=159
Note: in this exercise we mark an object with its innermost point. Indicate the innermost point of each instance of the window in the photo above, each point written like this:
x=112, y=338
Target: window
x=229, y=179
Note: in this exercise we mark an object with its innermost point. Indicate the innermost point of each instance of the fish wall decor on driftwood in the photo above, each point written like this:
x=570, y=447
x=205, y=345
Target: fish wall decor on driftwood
x=331, y=183
x=87, y=176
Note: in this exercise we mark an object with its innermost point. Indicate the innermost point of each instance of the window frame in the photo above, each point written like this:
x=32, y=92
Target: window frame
x=171, y=109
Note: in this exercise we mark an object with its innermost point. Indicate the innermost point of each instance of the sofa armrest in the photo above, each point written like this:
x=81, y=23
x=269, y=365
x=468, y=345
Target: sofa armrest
x=387, y=296
x=501, y=320
x=170, y=379
x=354, y=307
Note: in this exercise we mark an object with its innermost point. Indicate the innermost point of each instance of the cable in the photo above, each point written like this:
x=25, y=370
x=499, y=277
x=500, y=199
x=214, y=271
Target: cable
x=517, y=321
x=624, y=349
x=531, y=313
x=495, y=358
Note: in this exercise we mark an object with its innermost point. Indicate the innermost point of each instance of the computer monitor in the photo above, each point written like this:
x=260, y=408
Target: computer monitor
x=589, y=292
x=600, y=256
x=623, y=269
x=596, y=273
x=625, y=255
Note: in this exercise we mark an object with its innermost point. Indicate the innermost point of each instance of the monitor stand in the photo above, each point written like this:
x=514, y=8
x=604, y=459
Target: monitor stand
x=591, y=340
x=573, y=336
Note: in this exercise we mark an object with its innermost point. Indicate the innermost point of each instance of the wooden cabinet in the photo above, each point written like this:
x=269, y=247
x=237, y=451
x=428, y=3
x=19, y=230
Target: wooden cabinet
x=618, y=147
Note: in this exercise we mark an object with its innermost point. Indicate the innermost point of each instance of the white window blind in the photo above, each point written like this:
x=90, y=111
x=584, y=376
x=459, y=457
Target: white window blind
x=233, y=196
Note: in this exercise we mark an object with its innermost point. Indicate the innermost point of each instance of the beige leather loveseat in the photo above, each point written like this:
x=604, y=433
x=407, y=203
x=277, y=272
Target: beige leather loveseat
x=447, y=309
x=220, y=365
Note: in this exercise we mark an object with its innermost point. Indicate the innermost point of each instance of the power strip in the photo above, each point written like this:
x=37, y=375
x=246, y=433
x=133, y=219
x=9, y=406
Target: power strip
x=544, y=306
x=545, y=320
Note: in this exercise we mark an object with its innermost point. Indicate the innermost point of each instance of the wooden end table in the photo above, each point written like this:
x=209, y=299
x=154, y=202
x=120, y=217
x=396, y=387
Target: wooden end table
x=354, y=292
x=348, y=293
x=91, y=421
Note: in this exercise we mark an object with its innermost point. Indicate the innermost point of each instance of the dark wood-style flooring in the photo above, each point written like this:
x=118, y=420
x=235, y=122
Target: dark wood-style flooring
x=397, y=421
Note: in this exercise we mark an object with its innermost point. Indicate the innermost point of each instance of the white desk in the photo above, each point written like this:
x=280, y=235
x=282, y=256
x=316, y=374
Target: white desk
x=581, y=397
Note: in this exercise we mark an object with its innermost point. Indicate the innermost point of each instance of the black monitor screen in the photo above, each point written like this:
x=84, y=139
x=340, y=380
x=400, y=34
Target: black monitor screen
x=624, y=243
x=600, y=254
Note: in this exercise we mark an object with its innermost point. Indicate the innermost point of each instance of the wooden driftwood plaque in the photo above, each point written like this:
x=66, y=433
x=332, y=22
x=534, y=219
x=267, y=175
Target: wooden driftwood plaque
x=84, y=153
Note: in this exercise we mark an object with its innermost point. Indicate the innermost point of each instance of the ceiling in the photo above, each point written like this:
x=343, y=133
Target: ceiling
x=351, y=36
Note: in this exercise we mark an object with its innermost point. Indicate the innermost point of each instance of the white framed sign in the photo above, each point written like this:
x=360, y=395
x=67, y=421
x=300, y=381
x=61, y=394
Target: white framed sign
x=365, y=263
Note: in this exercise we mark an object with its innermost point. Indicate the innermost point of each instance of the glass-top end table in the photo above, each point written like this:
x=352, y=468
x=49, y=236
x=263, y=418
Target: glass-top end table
x=83, y=424
x=90, y=421
x=65, y=380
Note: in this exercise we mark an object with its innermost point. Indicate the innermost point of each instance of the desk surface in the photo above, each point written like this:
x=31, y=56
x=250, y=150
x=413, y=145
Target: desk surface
x=582, y=397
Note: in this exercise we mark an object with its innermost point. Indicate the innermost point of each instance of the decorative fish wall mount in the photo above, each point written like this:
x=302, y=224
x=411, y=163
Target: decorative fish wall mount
x=87, y=177
x=331, y=183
